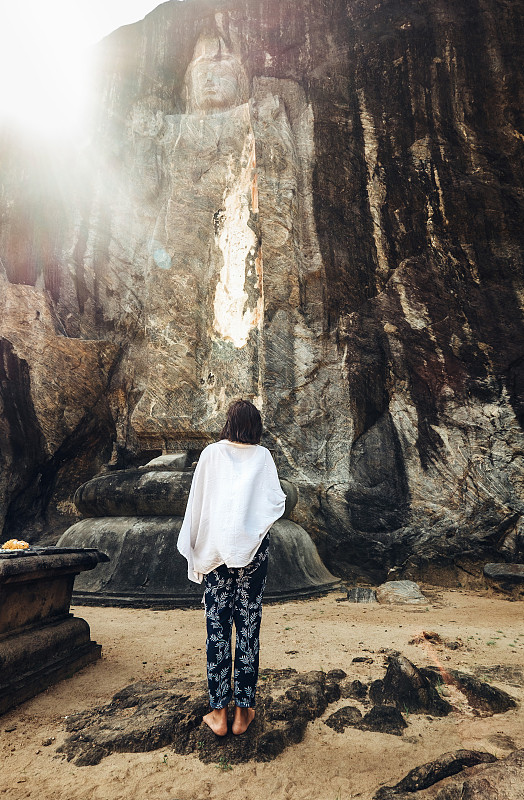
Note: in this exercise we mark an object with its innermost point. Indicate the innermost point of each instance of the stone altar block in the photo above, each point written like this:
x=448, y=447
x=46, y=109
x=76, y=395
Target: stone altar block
x=41, y=642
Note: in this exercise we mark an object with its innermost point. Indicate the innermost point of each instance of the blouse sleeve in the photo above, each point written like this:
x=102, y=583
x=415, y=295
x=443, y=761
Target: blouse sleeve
x=276, y=496
x=188, y=531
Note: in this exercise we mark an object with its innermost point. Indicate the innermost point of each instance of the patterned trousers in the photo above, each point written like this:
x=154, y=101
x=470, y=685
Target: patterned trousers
x=234, y=595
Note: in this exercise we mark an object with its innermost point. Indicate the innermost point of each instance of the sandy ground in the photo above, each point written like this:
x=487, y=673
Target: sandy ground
x=313, y=634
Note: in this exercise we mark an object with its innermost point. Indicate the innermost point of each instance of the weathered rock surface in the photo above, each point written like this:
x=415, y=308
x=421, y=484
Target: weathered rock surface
x=355, y=689
x=400, y=592
x=146, y=716
x=361, y=594
x=406, y=687
x=347, y=715
x=481, y=696
x=479, y=777
x=381, y=719
x=415, y=690
x=384, y=719
x=507, y=578
x=512, y=676
x=335, y=228
x=505, y=573
x=55, y=418
x=433, y=772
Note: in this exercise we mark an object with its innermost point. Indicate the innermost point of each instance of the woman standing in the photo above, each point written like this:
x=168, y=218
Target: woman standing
x=235, y=497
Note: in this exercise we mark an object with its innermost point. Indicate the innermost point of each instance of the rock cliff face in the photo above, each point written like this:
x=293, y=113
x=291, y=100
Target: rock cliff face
x=316, y=205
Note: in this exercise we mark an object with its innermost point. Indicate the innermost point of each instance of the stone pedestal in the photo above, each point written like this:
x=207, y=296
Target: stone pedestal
x=135, y=517
x=40, y=640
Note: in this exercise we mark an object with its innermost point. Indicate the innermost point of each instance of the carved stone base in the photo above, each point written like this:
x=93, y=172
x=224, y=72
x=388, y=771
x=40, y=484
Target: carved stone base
x=134, y=517
x=40, y=641
x=145, y=568
x=32, y=661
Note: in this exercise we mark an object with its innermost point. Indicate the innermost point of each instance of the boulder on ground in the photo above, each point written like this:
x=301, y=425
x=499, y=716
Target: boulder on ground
x=408, y=688
x=508, y=578
x=355, y=689
x=344, y=717
x=462, y=775
x=481, y=696
x=509, y=573
x=384, y=719
x=361, y=594
x=400, y=592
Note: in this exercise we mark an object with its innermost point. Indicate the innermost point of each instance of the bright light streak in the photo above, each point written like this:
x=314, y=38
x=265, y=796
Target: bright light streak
x=44, y=58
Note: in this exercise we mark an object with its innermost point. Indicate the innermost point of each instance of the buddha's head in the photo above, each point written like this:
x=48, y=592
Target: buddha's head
x=215, y=79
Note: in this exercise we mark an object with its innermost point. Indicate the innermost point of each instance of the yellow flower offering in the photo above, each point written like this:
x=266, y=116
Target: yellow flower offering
x=15, y=544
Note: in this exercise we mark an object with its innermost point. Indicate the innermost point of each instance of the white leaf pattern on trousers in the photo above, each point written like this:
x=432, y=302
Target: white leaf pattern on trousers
x=234, y=595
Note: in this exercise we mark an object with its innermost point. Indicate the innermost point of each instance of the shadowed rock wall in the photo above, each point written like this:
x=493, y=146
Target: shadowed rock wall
x=356, y=197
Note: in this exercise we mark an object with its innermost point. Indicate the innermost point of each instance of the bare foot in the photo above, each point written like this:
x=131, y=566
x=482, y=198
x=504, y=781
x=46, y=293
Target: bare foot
x=217, y=721
x=243, y=719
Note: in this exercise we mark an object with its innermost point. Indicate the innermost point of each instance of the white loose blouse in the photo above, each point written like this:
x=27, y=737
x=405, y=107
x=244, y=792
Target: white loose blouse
x=235, y=497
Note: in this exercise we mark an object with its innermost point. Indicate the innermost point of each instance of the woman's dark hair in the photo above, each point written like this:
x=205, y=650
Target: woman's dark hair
x=243, y=423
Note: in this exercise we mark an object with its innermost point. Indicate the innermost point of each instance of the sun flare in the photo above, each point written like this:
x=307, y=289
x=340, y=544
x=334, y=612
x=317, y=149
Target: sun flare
x=45, y=54
x=44, y=61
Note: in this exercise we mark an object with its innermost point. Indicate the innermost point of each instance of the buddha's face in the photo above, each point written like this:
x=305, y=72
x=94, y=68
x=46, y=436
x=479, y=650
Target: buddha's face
x=215, y=81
